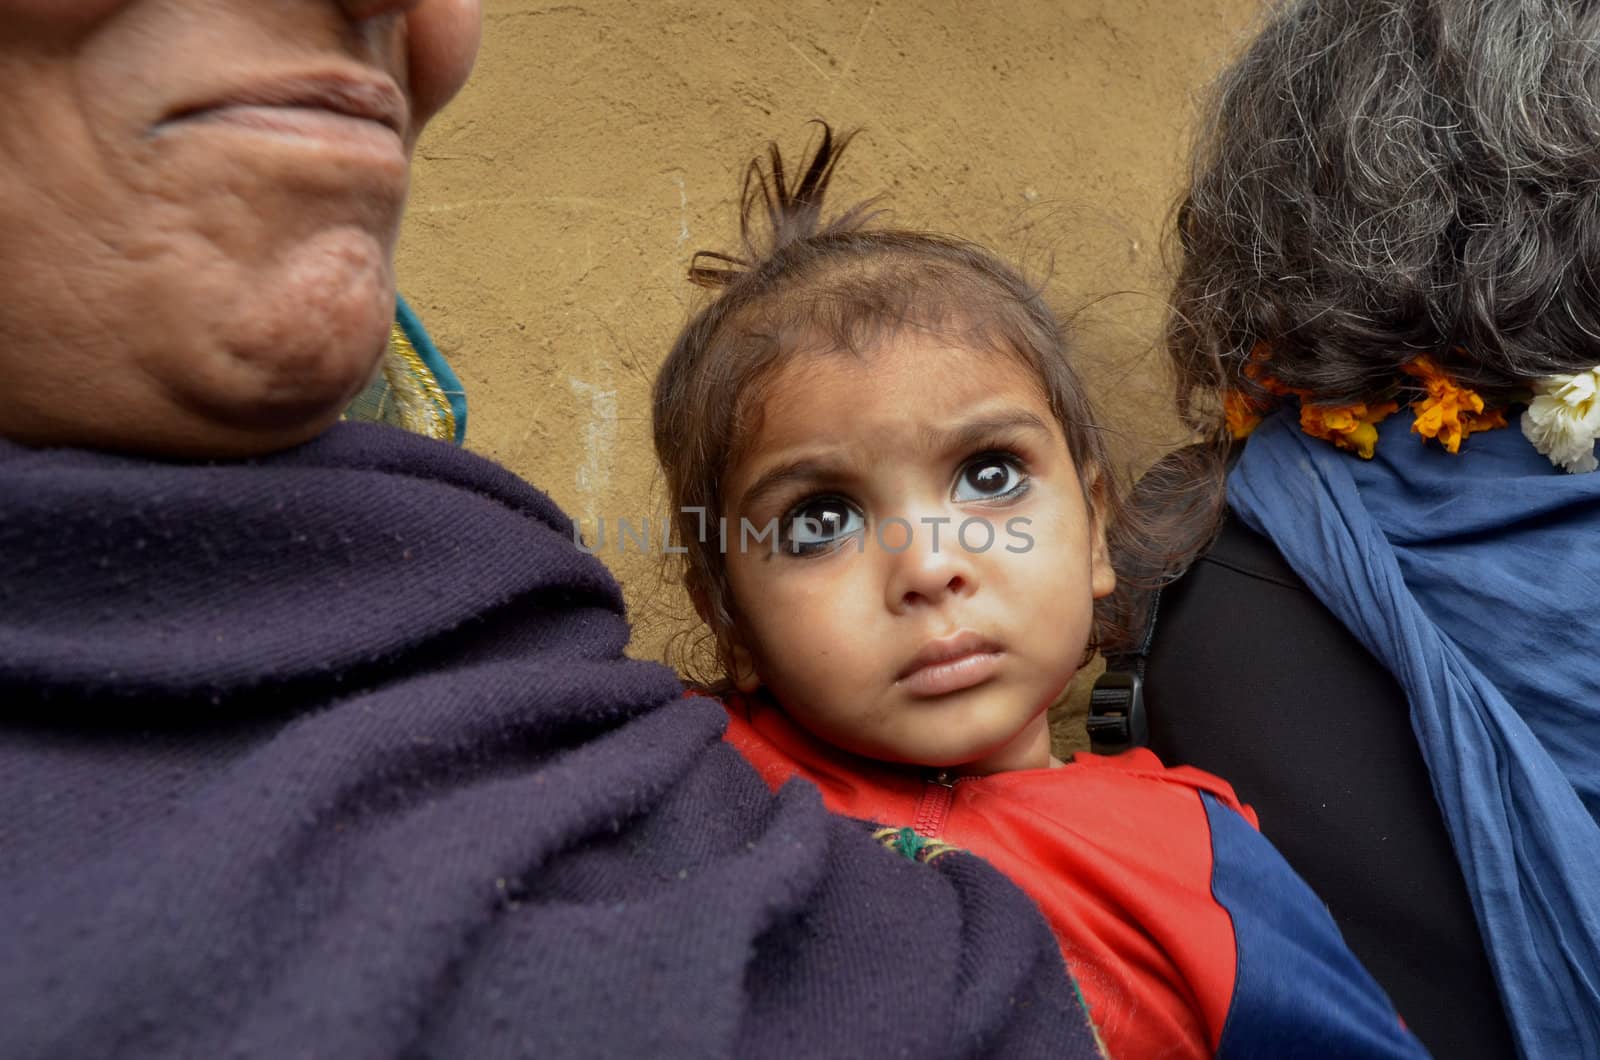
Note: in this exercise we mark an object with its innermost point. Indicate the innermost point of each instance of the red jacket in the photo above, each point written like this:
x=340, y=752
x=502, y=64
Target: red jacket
x=1123, y=856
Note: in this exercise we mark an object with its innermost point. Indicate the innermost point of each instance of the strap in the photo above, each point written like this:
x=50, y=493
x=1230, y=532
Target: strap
x=1117, y=719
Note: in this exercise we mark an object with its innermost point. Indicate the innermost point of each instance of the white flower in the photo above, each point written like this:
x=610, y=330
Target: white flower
x=1563, y=420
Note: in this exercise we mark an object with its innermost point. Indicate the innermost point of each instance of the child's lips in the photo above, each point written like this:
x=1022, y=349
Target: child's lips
x=950, y=664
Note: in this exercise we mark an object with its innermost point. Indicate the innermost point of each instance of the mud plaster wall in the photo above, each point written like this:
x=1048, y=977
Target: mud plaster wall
x=599, y=144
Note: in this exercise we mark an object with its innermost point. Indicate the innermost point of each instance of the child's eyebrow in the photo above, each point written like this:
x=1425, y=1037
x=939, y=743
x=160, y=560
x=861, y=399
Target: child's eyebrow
x=968, y=435
x=973, y=433
x=804, y=469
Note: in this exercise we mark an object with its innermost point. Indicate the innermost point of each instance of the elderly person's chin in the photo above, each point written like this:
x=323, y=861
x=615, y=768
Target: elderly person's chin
x=199, y=204
x=213, y=358
x=278, y=368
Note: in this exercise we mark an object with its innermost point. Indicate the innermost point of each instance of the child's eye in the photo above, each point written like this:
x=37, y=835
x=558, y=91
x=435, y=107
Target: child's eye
x=819, y=523
x=991, y=476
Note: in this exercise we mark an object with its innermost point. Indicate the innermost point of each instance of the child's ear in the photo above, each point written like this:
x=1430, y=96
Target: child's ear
x=740, y=663
x=1102, y=575
x=742, y=667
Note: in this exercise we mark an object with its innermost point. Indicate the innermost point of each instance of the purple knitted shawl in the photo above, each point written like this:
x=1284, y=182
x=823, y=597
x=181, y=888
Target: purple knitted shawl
x=336, y=753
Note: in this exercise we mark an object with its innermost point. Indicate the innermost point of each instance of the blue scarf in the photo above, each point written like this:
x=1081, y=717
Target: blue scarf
x=1470, y=577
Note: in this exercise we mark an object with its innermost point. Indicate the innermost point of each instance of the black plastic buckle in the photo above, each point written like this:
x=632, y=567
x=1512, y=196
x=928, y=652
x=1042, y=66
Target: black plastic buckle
x=1117, y=720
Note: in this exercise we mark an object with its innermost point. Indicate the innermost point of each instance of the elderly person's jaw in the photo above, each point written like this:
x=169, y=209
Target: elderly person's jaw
x=199, y=201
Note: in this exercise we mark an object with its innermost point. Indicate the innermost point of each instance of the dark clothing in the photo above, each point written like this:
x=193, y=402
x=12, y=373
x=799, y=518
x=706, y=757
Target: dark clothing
x=336, y=753
x=1250, y=677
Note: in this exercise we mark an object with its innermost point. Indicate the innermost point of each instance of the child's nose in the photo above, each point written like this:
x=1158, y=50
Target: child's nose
x=926, y=565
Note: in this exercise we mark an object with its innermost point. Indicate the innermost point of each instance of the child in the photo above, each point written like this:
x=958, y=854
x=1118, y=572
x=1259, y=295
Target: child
x=897, y=515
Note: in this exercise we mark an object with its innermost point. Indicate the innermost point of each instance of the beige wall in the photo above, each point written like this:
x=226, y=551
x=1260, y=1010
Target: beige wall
x=600, y=143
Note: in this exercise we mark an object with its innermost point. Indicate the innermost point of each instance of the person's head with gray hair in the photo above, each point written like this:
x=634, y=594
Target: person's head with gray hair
x=1379, y=179
x=1394, y=203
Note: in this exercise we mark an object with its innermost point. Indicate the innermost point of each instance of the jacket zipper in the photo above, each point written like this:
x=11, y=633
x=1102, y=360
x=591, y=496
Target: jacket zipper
x=934, y=805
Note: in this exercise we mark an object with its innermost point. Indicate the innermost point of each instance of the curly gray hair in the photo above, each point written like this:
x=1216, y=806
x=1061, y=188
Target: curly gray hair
x=1382, y=178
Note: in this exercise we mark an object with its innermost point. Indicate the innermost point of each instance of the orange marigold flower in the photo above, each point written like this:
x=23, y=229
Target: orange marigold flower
x=1352, y=427
x=1488, y=421
x=1256, y=369
x=1241, y=413
x=1447, y=411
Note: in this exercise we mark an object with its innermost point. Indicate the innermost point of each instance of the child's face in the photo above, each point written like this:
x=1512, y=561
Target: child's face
x=903, y=641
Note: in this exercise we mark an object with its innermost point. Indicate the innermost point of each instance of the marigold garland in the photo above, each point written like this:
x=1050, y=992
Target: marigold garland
x=1241, y=413
x=1446, y=410
x=1256, y=369
x=1353, y=427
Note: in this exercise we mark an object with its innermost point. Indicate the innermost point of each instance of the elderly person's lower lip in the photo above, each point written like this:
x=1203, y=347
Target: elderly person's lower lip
x=314, y=126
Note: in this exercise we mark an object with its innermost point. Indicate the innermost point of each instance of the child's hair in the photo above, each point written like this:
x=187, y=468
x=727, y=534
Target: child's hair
x=1378, y=179
x=803, y=284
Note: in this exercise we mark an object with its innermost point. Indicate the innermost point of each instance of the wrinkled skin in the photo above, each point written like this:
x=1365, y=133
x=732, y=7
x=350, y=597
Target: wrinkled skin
x=199, y=202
